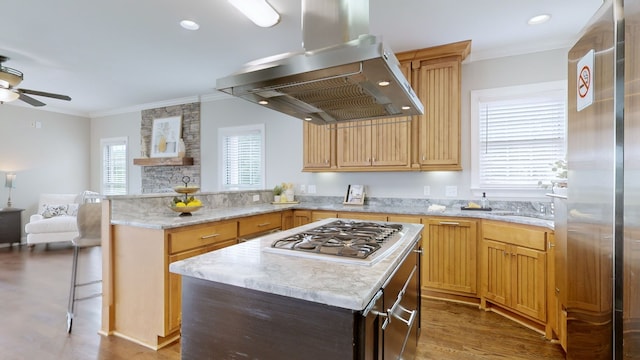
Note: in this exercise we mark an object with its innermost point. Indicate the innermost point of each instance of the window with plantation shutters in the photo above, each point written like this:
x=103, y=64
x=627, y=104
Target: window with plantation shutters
x=242, y=157
x=114, y=166
x=518, y=134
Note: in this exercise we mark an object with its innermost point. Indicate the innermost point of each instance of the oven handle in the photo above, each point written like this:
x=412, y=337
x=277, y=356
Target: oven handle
x=412, y=318
x=391, y=311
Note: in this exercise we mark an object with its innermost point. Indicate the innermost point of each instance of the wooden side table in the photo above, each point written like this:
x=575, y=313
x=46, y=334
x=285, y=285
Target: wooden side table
x=10, y=225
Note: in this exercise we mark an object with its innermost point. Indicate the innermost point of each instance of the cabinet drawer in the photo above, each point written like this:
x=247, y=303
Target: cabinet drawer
x=259, y=223
x=201, y=235
x=362, y=216
x=517, y=235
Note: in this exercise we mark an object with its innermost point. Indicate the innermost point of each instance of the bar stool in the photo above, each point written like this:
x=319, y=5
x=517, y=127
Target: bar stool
x=89, y=228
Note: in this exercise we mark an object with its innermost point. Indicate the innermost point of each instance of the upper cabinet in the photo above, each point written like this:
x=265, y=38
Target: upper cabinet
x=427, y=142
x=318, y=144
x=435, y=77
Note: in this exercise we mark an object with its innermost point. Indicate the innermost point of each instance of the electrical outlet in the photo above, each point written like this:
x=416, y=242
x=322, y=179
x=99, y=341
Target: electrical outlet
x=427, y=190
x=451, y=191
x=311, y=189
x=256, y=197
x=303, y=188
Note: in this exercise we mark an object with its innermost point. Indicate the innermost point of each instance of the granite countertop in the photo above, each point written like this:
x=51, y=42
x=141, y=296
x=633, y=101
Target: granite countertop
x=168, y=219
x=343, y=285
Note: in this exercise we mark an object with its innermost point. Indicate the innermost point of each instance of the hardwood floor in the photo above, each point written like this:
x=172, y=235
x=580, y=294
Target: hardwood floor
x=34, y=288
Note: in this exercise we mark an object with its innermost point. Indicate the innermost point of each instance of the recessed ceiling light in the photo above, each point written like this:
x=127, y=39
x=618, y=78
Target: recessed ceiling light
x=308, y=118
x=189, y=25
x=406, y=107
x=383, y=83
x=263, y=102
x=539, y=19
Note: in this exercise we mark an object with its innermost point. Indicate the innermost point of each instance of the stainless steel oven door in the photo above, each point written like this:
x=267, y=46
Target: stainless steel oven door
x=401, y=299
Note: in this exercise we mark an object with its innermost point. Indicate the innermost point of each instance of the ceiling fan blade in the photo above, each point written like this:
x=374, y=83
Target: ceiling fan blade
x=42, y=93
x=29, y=100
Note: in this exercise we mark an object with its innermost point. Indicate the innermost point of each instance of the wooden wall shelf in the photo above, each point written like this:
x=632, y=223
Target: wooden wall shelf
x=163, y=161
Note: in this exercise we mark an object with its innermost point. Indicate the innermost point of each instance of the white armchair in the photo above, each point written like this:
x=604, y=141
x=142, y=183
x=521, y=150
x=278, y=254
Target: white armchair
x=56, y=218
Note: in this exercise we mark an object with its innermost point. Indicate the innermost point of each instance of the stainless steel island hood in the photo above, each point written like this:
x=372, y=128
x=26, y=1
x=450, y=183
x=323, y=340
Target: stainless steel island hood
x=349, y=75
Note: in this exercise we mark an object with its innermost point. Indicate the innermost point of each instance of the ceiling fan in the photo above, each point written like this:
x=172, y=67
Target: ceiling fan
x=10, y=78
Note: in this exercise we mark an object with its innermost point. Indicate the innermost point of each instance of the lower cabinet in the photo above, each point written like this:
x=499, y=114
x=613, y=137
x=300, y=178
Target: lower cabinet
x=320, y=215
x=514, y=269
x=363, y=216
x=301, y=217
x=185, y=243
x=141, y=297
x=254, y=225
x=450, y=255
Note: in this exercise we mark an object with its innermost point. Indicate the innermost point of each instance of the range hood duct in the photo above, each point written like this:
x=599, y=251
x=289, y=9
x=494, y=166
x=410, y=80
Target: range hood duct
x=343, y=74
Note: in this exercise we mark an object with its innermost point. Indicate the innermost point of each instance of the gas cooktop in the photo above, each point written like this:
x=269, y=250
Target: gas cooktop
x=350, y=241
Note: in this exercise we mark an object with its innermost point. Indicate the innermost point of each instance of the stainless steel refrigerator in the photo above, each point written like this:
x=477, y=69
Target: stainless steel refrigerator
x=598, y=268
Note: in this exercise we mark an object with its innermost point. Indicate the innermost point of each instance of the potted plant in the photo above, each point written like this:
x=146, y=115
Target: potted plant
x=277, y=191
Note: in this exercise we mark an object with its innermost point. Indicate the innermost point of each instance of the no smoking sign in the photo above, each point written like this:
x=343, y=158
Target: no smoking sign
x=584, y=93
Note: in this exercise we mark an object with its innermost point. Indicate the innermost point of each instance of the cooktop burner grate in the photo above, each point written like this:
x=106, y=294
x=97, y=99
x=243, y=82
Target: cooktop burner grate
x=341, y=238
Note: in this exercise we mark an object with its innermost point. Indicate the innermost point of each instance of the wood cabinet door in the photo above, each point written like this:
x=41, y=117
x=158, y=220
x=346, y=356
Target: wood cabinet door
x=318, y=142
x=391, y=144
x=450, y=255
x=528, y=281
x=301, y=217
x=439, y=128
x=495, y=272
x=354, y=144
x=174, y=311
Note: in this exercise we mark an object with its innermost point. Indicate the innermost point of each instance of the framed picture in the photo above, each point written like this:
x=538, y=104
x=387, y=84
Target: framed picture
x=355, y=195
x=165, y=135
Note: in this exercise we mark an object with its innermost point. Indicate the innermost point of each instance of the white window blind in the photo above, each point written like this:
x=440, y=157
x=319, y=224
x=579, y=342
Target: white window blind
x=520, y=135
x=114, y=166
x=242, y=157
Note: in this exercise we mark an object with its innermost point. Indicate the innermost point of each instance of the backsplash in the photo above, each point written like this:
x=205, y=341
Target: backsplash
x=157, y=204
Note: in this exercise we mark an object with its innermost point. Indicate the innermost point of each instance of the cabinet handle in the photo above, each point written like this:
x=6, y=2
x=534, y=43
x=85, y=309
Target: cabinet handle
x=264, y=224
x=557, y=291
x=452, y=223
x=551, y=245
x=209, y=236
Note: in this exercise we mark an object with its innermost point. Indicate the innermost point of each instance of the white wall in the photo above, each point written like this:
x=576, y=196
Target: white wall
x=50, y=159
x=284, y=136
x=121, y=125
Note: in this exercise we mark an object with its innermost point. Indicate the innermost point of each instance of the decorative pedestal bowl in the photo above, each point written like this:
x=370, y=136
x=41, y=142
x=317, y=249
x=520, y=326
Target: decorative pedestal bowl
x=186, y=189
x=185, y=210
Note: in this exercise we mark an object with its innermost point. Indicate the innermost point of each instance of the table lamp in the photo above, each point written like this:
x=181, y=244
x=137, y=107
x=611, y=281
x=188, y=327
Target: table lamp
x=10, y=182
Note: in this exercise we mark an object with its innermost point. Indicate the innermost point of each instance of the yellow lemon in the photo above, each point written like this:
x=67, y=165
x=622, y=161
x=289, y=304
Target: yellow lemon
x=181, y=204
x=194, y=203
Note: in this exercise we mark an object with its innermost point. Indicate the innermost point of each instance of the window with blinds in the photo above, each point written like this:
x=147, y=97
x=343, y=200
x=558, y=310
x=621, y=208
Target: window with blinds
x=520, y=132
x=114, y=166
x=242, y=157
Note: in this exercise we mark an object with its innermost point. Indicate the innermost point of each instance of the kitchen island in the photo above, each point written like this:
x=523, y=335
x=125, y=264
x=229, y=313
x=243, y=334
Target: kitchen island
x=246, y=301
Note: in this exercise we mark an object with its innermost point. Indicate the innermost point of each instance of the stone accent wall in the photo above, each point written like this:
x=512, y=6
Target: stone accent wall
x=162, y=179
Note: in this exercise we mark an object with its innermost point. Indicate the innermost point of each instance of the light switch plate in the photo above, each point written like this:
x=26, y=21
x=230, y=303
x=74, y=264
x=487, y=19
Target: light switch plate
x=427, y=190
x=256, y=197
x=451, y=191
x=311, y=189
